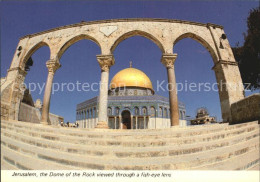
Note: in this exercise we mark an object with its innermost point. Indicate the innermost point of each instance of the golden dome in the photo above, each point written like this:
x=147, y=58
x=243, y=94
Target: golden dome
x=131, y=77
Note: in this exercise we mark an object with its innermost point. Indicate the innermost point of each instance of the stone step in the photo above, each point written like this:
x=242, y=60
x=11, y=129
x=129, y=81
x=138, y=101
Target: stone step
x=242, y=162
x=88, y=133
x=17, y=160
x=133, y=142
x=101, y=134
x=171, y=162
x=7, y=166
x=138, y=134
x=191, y=160
x=122, y=151
x=256, y=167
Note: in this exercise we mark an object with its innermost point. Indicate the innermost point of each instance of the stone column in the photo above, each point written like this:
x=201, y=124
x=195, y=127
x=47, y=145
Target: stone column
x=132, y=123
x=148, y=118
x=168, y=60
x=136, y=123
x=52, y=66
x=105, y=61
x=115, y=122
x=120, y=122
x=144, y=124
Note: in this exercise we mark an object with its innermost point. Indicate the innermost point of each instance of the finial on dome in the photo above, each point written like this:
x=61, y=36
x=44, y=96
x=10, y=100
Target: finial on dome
x=131, y=64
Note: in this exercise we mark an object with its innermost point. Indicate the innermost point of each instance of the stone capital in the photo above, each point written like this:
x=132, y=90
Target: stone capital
x=168, y=60
x=52, y=66
x=105, y=61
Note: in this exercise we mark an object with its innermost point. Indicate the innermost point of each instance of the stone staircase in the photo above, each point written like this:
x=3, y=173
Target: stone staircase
x=206, y=147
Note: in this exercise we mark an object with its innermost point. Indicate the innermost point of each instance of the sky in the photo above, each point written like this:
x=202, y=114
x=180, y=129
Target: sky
x=79, y=62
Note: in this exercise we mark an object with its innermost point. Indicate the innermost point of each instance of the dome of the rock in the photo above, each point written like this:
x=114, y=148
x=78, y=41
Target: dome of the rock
x=131, y=77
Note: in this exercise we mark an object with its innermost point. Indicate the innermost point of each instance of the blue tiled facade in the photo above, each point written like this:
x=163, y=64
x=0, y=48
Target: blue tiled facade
x=150, y=105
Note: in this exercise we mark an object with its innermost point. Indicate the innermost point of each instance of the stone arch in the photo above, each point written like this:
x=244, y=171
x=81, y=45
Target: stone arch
x=126, y=108
x=201, y=40
x=72, y=41
x=30, y=52
x=59, y=39
x=137, y=33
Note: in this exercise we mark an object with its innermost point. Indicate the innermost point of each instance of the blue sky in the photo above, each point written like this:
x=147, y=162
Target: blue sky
x=79, y=61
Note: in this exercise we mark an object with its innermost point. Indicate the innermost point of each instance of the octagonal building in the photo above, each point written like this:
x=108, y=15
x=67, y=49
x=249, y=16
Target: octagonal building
x=132, y=104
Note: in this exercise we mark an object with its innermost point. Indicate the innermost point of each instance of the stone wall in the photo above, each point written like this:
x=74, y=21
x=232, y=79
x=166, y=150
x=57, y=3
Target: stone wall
x=5, y=97
x=31, y=114
x=28, y=113
x=247, y=109
x=55, y=119
x=159, y=123
x=4, y=111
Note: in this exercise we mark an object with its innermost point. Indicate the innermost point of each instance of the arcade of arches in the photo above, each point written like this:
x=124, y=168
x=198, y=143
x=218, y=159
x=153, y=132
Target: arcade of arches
x=108, y=34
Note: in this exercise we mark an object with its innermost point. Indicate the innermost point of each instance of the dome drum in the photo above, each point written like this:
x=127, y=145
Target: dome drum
x=130, y=91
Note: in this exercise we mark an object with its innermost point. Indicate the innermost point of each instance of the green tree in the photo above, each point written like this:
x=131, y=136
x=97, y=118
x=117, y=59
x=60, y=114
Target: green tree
x=248, y=55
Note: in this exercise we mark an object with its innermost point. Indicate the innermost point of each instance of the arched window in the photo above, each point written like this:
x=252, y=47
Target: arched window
x=152, y=111
x=109, y=111
x=117, y=110
x=160, y=111
x=144, y=111
x=136, y=111
x=165, y=112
